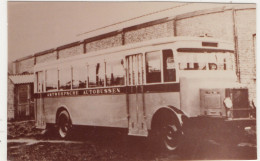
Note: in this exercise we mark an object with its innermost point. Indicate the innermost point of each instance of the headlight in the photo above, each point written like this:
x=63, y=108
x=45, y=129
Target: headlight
x=228, y=102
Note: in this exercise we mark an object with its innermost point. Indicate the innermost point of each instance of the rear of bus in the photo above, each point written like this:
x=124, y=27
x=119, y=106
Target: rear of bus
x=209, y=90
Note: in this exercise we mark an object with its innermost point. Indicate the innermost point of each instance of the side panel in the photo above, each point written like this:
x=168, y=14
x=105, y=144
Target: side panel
x=154, y=101
x=101, y=110
x=191, y=84
x=110, y=112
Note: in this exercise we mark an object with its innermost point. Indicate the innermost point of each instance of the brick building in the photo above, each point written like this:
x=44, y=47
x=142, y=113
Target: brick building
x=10, y=96
x=20, y=97
x=234, y=23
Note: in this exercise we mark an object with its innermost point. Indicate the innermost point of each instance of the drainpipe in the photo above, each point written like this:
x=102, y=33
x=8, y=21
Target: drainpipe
x=236, y=45
x=174, y=27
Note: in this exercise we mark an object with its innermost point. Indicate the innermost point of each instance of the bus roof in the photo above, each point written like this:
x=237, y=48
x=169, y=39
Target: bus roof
x=160, y=41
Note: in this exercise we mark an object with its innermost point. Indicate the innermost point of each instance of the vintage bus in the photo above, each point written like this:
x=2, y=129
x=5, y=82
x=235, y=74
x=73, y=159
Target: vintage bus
x=152, y=87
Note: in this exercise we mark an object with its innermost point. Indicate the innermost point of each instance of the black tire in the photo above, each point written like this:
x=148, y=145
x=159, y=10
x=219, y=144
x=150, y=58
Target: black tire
x=167, y=135
x=64, y=125
x=50, y=132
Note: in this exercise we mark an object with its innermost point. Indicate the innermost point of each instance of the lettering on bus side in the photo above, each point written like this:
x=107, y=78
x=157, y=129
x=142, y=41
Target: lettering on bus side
x=63, y=93
x=170, y=87
x=102, y=91
x=115, y=90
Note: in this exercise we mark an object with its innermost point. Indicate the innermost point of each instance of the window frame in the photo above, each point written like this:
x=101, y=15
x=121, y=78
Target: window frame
x=104, y=63
x=146, y=72
x=183, y=50
x=45, y=78
x=175, y=66
x=36, y=87
x=174, y=51
x=84, y=66
x=108, y=61
x=94, y=63
x=59, y=82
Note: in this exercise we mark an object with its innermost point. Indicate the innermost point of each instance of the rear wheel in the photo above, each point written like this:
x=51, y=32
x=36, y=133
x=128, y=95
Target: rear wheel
x=64, y=125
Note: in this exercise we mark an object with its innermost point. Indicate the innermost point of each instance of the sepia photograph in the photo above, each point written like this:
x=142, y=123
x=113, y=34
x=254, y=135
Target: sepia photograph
x=131, y=81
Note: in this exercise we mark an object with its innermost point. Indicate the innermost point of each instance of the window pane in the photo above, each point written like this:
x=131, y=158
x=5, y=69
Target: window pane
x=23, y=94
x=96, y=75
x=168, y=66
x=51, y=79
x=79, y=76
x=65, y=78
x=115, y=73
x=208, y=60
x=153, y=67
x=40, y=81
x=140, y=69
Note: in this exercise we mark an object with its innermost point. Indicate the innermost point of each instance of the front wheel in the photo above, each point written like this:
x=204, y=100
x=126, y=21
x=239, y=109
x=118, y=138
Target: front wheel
x=64, y=124
x=168, y=135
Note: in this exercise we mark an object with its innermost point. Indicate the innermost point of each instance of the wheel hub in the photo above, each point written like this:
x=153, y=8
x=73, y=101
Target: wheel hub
x=171, y=137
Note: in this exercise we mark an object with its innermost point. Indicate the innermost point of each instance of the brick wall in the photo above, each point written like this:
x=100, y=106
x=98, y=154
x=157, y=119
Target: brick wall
x=217, y=25
x=220, y=25
x=150, y=32
x=246, y=28
x=105, y=43
x=10, y=101
x=46, y=57
x=71, y=51
x=25, y=66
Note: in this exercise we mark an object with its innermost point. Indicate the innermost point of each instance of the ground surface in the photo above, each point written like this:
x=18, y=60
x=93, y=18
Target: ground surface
x=107, y=144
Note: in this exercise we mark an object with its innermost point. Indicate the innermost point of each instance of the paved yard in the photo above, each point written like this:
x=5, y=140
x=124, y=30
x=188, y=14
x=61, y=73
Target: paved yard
x=107, y=144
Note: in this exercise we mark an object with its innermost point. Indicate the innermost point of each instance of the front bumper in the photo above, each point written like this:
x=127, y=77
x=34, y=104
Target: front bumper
x=220, y=122
x=240, y=122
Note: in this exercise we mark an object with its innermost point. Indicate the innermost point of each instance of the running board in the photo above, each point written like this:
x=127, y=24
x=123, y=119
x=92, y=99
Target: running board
x=137, y=129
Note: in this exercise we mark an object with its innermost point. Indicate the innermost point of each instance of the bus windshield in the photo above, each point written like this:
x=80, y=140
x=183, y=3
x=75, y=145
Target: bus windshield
x=205, y=59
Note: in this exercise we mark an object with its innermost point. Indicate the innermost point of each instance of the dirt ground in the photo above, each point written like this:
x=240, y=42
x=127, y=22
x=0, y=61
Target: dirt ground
x=110, y=144
x=22, y=129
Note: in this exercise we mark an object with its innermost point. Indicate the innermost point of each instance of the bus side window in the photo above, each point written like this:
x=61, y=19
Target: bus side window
x=65, y=78
x=169, y=70
x=40, y=82
x=153, y=67
x=51, y=79
x=79, y=77
x=115, y=73
x=96, y=77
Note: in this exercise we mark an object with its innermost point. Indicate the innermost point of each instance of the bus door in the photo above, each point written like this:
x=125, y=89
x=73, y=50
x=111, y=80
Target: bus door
x=135, y=95
x=39, y=112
